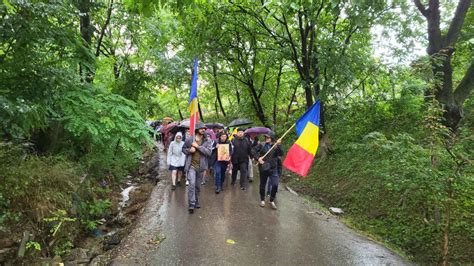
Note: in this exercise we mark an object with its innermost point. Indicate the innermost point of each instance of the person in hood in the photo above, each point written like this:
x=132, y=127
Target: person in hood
x=220, y=166
x=268, y=166
x=175, y=159
x=197, y=150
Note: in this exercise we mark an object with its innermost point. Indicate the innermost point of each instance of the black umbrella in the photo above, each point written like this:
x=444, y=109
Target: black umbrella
x=181, y=126
x=240, y=122
x=213, y=125
x=178, y=128
x=184, y=123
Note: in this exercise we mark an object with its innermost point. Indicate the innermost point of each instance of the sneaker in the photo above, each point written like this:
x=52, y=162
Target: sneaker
x=243, y=188
x=218, y=190
x=262, y=203
x=187, y=183
x=173, y=187
x=203, y=182
x=199, y=205
x=273, y=205
x=191, y=210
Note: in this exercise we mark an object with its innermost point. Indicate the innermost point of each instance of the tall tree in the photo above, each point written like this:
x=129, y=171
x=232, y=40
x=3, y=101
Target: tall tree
x=441, y=48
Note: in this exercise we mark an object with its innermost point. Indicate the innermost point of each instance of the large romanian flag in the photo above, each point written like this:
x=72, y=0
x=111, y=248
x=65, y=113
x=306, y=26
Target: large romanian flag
x=193, y=101
x=301, y=154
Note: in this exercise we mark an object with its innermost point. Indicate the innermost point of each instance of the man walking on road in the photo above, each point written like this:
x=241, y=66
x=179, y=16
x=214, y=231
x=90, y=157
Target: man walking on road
x=240, y=158
x=268, y=166
x=197, y=152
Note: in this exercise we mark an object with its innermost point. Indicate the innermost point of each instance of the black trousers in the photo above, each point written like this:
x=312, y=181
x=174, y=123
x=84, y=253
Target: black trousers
x=242, y=167
x=274, y=179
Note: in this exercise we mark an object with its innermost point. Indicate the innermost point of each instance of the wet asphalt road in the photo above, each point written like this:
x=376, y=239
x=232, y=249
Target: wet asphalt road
x=293, y=234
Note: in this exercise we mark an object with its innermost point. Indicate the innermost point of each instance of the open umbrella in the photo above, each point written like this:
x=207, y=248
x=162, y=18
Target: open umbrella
x=240, y=122
x=213, y=125
x=258, y=130
x=168, y=128
x=178, y=128
x=167, y=118
x=185, y=123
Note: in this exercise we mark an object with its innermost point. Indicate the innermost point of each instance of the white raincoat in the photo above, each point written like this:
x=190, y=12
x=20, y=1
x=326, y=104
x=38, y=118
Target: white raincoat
x=176, y=156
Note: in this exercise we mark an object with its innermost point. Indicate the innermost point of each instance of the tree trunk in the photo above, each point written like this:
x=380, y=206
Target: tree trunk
x=238, y=96
x=180, y=114
x=200, y=113
x=216, y=108
x=440, y=48
x=218, y=96
x=446, y=236
x=277, y=92
x=257, y=104
x=104, y=28
x=293, y=96
x=86, y=34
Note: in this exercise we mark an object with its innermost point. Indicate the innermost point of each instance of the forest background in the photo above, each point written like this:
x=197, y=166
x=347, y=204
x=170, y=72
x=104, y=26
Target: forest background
x=395, y=78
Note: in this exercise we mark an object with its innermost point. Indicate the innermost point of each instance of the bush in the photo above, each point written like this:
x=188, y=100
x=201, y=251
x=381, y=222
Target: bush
x=390, y=189
x=46, y=196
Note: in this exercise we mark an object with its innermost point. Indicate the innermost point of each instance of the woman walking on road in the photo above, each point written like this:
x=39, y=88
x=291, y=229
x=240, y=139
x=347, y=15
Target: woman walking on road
x=221, y=162
x=268, y=167
x=175, y=159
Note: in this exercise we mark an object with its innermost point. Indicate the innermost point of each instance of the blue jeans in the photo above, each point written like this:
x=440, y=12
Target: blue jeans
x=219, y=173
x=273, y=183
x=269, y=189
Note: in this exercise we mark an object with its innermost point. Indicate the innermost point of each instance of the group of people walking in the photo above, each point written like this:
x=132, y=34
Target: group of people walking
x=197, y=156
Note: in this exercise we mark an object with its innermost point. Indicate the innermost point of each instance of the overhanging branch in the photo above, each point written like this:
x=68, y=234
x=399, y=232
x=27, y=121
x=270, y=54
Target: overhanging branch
x=458, y=21
x=465, y=86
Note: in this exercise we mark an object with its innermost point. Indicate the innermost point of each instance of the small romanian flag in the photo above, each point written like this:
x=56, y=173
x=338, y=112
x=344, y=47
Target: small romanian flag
x=300, y=156
x=233, y=134
x=193, y=101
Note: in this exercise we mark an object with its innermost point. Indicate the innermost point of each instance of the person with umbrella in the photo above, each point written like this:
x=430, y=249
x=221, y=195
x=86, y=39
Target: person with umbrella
x=197, y=151
x=240, y=158
x=268, y=166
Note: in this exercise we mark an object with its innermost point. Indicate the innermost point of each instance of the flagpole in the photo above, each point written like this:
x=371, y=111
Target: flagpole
x=281, y=138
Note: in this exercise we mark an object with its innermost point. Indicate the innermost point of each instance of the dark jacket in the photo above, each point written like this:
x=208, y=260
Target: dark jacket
x=213, y=158
x=204, y=149
x=271, y=160
x=242, y=150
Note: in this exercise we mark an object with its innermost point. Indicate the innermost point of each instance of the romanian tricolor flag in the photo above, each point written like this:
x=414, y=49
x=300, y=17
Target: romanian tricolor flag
x=301, y=154
x=193, y=101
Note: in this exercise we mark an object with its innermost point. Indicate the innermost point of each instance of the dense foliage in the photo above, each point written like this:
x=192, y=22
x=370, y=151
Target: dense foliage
x=79, y=79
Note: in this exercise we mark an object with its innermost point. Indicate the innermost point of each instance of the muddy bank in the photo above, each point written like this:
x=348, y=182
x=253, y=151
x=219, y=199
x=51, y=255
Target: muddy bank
x=145, y=236
x=127, y=200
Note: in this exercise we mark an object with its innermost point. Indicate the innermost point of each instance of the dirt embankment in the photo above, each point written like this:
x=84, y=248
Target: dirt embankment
x=94, y=248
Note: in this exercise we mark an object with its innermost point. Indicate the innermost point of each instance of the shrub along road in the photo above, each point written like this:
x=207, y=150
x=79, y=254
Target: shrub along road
x=231, y=228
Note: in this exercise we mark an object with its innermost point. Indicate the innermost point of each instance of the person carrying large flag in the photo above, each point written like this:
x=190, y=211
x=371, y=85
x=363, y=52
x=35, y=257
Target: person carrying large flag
x=267, y=153
x=300, y=156
x=197, y=149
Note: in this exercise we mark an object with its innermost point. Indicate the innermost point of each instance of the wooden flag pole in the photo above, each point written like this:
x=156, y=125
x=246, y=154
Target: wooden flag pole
x=281, y=138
